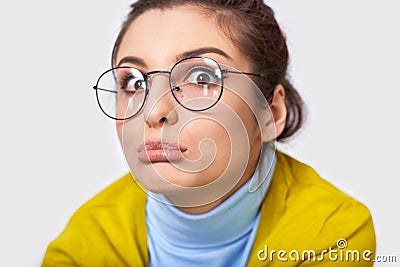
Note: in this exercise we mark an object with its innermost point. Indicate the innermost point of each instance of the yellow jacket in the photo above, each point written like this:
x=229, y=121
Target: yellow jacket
x=303, y=221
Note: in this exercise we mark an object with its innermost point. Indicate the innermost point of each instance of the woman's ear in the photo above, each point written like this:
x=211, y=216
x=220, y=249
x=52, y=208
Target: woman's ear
x=275, y=120
x=278, y=109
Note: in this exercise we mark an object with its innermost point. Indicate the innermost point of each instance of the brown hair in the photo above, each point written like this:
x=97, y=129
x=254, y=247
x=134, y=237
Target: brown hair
x=252, y=27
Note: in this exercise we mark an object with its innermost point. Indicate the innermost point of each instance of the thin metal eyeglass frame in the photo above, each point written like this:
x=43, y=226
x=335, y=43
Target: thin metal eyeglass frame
x=172, y=88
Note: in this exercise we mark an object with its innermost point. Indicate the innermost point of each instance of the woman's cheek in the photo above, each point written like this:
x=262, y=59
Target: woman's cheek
x=207, y=139
x=119, y=126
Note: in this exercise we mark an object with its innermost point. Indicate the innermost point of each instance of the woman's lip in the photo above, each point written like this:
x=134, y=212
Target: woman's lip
x=160, y=151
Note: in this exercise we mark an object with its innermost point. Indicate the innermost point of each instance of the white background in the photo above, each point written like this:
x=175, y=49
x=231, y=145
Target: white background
x=57, y=150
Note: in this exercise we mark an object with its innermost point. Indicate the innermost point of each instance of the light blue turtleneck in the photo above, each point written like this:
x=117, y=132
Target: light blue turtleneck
x=221, y=237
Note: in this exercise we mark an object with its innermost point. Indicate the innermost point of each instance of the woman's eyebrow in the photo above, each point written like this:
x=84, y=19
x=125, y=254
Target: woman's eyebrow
x=191, y=53
x=200, y=51
x=133, y=60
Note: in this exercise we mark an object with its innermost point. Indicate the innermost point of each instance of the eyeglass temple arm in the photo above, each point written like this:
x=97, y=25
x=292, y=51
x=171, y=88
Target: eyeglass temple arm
x=102, y=89
x=245, y=73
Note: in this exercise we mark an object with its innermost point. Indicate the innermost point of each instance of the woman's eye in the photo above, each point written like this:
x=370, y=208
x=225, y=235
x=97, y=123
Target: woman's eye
x=132, y=84
x=202, y=76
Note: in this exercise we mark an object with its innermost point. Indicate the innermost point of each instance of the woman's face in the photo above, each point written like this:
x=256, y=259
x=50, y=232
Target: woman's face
x=170, y=149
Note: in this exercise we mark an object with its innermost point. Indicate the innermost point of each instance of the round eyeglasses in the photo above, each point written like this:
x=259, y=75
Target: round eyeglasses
x=196, y=84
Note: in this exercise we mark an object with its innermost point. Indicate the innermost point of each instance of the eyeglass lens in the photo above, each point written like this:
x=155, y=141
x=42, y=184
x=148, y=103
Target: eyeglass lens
x=196, y=84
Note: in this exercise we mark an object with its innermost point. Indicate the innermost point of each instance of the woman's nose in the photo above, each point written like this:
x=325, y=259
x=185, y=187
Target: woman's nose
x=160, y=109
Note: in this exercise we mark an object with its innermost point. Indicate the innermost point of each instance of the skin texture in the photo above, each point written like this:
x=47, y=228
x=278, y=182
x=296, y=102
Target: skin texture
x=157, y=39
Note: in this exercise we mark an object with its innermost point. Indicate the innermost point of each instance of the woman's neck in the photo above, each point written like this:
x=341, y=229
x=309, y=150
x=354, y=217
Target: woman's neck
x=210, y=206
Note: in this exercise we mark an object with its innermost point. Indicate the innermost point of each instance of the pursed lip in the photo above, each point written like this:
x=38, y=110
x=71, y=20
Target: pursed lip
x=156, y=150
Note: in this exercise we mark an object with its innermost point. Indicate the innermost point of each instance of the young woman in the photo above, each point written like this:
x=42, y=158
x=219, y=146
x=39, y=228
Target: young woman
x=199, y=93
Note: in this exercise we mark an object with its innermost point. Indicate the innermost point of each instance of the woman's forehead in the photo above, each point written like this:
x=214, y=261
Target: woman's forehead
x=160, y=36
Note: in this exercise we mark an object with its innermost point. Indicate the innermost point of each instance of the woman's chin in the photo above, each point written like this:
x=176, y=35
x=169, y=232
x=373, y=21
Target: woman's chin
x=163, y=178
